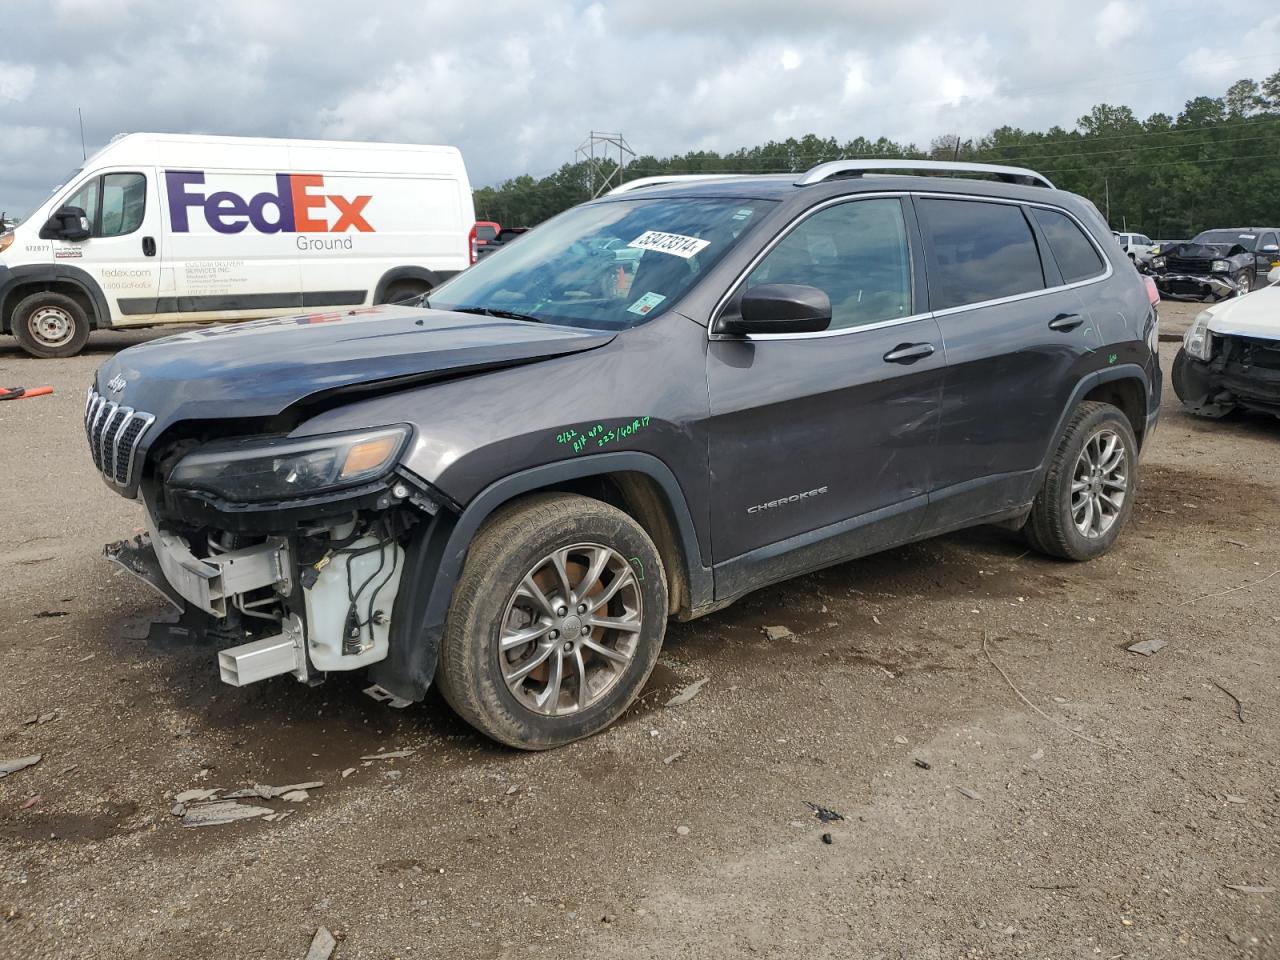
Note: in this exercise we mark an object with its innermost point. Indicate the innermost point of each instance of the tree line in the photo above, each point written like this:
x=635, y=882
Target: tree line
x=1217, y=163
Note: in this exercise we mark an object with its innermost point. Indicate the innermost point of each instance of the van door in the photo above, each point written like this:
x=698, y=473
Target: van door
x=123, y=256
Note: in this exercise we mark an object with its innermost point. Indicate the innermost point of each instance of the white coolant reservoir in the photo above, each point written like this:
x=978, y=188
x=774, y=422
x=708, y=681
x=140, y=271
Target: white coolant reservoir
x=363, y=578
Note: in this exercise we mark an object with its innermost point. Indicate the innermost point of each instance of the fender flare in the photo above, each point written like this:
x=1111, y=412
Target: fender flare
x=13, y=277
x=1121, y=371
x=431, y=278
x=435, y=559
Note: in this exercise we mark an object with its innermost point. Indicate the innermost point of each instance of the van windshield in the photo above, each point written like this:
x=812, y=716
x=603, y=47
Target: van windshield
x=52, y=190
x=605, y=266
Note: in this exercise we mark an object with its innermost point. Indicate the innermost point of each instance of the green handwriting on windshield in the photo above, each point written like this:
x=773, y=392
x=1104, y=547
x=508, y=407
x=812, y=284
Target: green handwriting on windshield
x=598, y=435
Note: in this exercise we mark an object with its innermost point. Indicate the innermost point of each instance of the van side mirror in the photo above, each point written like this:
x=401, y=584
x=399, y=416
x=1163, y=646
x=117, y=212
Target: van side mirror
x=67, y=223
x=780, y=308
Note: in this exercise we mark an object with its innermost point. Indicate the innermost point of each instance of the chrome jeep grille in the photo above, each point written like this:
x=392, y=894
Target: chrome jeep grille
x=114, y=433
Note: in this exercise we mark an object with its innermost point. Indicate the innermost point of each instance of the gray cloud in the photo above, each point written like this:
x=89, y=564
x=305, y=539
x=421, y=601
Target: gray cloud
x=517, y=85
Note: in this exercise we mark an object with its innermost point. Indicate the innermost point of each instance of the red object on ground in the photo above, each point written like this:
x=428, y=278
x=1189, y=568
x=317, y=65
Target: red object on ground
x=21, y=393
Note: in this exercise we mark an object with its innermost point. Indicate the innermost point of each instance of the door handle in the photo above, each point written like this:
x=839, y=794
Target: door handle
x=909, y=352
x=148, y=246
x=1066, y=321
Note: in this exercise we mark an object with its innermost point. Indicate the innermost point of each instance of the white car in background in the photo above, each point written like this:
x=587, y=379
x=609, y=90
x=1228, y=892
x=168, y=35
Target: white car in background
x=1230, y=356
x=1137, y=245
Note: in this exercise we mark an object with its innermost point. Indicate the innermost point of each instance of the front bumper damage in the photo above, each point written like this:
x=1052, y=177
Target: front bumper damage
x=1192, y=286
x=318, y=598
x=1244, y=372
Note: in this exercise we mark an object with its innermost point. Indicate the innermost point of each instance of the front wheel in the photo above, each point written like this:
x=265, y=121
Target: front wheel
x=50, y=325
x=1244, y=282
x=556, y=622
x=1088, y=491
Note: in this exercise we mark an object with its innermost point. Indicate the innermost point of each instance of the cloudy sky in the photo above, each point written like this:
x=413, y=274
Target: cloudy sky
x=518, y=83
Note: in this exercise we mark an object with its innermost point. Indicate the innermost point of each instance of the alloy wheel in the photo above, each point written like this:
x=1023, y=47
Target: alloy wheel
x=570, y=629
x=1099, y=484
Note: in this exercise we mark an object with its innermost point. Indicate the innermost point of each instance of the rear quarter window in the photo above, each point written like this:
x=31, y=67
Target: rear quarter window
x=1077, y=258
x=978, y=251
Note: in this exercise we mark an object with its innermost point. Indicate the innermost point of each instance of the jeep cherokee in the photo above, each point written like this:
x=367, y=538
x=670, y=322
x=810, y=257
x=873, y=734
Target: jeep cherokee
x=653, y=404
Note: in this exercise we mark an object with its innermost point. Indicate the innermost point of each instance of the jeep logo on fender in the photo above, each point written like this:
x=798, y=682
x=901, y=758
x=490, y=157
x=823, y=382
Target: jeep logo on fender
x=297, y=206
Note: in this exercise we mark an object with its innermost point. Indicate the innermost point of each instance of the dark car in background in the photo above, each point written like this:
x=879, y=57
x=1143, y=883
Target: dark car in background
x=1217, y=263
x=507, y=490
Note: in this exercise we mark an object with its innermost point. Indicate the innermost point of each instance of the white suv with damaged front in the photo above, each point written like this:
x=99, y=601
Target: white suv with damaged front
x=1230, y=356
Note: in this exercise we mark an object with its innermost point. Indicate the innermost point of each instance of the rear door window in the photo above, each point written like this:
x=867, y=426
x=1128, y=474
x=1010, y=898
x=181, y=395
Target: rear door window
x=1077, y=258
x=978, y=251
x=854, y=252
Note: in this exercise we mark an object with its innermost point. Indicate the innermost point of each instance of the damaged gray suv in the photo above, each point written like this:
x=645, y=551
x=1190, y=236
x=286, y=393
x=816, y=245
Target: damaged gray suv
x=648, y=407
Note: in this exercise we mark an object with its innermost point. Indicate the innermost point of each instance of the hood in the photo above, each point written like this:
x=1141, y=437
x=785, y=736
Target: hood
x=1254, y=315
x=1203, y=251
x=261, y=368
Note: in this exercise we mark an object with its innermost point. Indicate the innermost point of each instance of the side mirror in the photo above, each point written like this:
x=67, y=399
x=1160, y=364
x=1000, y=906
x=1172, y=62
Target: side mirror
x=1270, y=248
x=780, y=308
x=67, y=223
x=1274, y=275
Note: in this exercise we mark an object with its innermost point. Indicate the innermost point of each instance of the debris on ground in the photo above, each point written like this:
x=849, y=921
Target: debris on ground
x=295, y=796
x=266, y=792
x=922, y=764
x=1147, y=647
x=220, y=812
x=31, y=802
x=13, y=766
x=194, y=796
x=1238, y=701
x=390, y=755
x=1234, y=798
x=322, y=945
x=1038, y=755
x=673, y=758
x=828, y=839
x=688, y=693
x=1245, y=888
x=682, y=830
x=40, y=718
x=971, y=794
x=825, y=814
x=513, y=790
x=777, y=633
x=348, y=772
x=900, y=740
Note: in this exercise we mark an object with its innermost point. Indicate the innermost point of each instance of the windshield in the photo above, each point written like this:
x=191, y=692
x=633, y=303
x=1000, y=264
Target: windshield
x=606, y=266
x=52, y=190
x=1246, y=240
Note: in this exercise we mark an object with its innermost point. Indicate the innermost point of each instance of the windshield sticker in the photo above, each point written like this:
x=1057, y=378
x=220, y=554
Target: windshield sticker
x=743, y=213
x=1248, y=236
x=646, y=303
x=599, y=435
x=673, y=243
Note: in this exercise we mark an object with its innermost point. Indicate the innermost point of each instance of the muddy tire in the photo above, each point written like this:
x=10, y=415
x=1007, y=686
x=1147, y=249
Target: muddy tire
x=556, y=622
x=1088, y=491
x=50, y=325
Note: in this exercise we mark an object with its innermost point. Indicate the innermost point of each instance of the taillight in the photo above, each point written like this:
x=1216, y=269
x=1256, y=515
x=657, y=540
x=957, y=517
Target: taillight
x=473, y=247
x=1153, y=292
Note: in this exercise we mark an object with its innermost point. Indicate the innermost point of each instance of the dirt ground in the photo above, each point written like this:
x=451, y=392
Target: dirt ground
x=1108, y=817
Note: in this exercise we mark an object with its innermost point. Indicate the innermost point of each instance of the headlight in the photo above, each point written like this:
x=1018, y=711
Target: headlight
x=248, y=470
x=1158, y=262
x=1220, y=266
x=1198, y=341
x=6, y=241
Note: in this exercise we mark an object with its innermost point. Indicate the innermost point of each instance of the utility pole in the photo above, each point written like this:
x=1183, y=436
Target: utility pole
x=599, y=150
x=83, y=154
x=1106, y=184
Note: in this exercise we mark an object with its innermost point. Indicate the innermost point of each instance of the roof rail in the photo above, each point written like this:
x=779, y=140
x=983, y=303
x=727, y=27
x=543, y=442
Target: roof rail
x=856, y=168
x=668, y=178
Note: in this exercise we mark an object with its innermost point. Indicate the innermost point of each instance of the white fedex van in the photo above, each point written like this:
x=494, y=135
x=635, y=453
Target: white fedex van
x=160, y=228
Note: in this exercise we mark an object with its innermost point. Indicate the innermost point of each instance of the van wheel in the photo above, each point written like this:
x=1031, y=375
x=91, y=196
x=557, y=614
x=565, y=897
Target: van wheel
x=556, y=622
x=399, y=292
x=49, y=325
x=1088, y=492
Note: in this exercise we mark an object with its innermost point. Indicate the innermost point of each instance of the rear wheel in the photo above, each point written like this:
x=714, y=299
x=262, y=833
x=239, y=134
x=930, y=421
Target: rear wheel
x=1088, y=491
x=50, y=325
x=556, y=622
x=399, y=292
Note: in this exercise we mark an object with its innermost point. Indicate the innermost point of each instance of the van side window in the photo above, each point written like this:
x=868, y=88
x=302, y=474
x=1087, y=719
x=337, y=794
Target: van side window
x=1076, y=256
x=124, y=201
x=978, y=251
x=856, y=253
x=86, y=198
